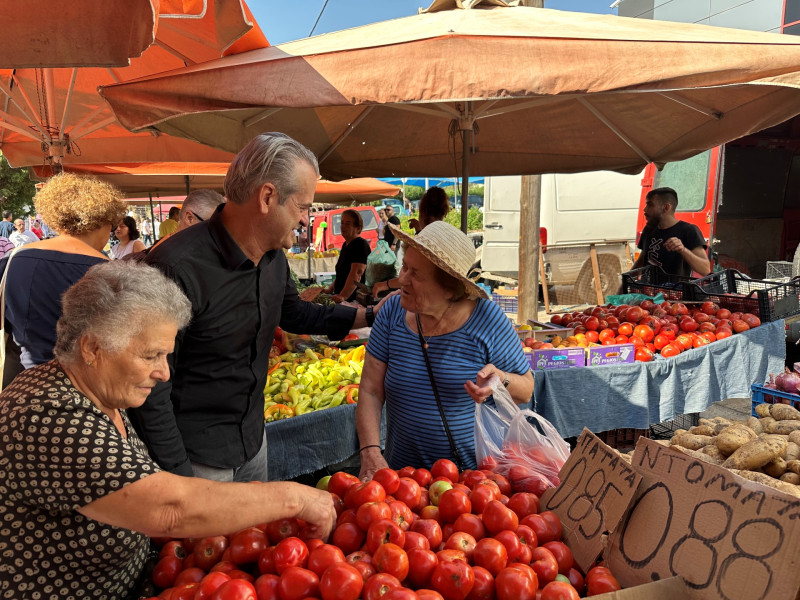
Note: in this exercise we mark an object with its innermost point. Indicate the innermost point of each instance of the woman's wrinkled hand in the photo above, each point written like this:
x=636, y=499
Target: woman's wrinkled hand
x=371, y=461
x=480, y=389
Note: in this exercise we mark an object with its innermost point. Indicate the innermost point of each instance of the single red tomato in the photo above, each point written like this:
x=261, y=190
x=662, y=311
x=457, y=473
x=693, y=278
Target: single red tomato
x=449, y=554
x=247, y=545
x=173, y=548
x=421, y=564
x=490, y=554
x=483, y=588
x=416, y=540
x=186, y=591
x=406, y=471
x=514, y=584
x=544, y=564
x=388, y=478
x=524, y=504
x=408, y=492
x=643, y=354
x=266, y=564
x=237, y=589
x=460, y=540
x=338, y=484
x=362, y=493
x=384, y=531
x=600, y=582
x=422, y=476
x=166, y=571
x=297, y=583
x=452, y=504
x=391, y=558
x=425, y=594
x=349, y=537
x=402, y=515
x=190, y=575
x=563, y=556
x=366, y=569
x=239, y=574
x=471, y=524
x=323, y=557
x=511, y=541
x=210, y=583
x=527, y=536
x=552, y=519
x=377, y=585
x=497, y=517
x=226, y=566
x=267, y=587
x=445, y=468
x=341, y=581
x=559, y=590
x=208, y=551
x=290, y=552
x=670, y=350
x=453, y=579
x=473, y=477
x=492, y=485
x=502, y=483
x=576, y=579
x=372, y=512
x=480, y=496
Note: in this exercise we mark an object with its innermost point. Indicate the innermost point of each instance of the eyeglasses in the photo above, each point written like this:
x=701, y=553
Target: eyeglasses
x=196, y=216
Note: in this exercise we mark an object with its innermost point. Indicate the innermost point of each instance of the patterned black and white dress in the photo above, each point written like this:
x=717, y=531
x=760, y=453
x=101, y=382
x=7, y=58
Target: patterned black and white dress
x=58, y=453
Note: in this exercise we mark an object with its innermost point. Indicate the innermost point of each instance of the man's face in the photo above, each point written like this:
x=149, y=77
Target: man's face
x=20, y=225
x=284, y=218
x=654, y=210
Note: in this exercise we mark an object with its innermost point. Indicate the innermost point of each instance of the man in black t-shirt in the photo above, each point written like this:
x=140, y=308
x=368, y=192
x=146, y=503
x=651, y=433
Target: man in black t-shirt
x=387, y=234
x=676, y=246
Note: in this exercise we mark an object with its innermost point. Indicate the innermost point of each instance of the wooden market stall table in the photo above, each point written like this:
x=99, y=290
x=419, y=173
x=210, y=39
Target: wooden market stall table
x=636, y=395
x=305, y=269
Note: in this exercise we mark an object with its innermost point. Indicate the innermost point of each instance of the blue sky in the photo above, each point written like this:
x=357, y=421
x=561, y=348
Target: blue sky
x=287, y=20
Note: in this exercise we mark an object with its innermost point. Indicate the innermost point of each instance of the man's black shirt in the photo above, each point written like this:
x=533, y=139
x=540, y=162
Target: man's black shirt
x=651, y=242
x=211, y=410
x=388, y=236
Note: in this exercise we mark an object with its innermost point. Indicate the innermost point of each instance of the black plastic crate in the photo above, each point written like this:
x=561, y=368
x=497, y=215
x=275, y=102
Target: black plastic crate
x=651, y=280
x=622, y=439
x=666, y=429
x=738, y=293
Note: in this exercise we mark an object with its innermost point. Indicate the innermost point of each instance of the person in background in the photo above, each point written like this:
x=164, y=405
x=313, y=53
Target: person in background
x=433, y=206
x=5, y=246
x=468, y=340
x=170, y=224
x=6, y=225
x=675, y=246
x=208, y=421
x=388, y=235
x=81, y=210
x=352, y=263
x=128, y=236
x=382, y=219
x=147, y=232
x=21, y=237
x=90, y=493
x=36, y=229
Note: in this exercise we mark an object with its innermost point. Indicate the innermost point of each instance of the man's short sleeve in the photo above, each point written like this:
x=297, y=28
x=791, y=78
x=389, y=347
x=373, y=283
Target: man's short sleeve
x=694, y=237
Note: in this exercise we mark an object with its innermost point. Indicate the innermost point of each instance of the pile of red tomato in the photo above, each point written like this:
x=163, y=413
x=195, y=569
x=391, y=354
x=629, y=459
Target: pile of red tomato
x=410, y=534
x=668, y=328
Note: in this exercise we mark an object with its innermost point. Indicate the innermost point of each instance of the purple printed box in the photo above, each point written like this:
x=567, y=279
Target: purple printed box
x=557, y=358
x=612, y=354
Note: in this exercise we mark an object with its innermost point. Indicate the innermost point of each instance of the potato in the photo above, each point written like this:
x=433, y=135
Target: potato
x=734, y=437
x=693, y=442
x=720, y=427
x=790, y=477
x=701, y=456
x=678, y=432
x=708, y=422
x=775, y=468
x=793, y=466
x=792, y=452
x=754, y=424
x=756, y=453
x=714, y=452
x=702, y=430
x=784, y=427
x=769, y=481
x=765, y=421
x=762, y=410
x=784, y=412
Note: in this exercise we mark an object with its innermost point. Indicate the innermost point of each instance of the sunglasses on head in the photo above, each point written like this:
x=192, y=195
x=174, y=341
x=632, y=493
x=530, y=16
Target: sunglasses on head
x=196, y=216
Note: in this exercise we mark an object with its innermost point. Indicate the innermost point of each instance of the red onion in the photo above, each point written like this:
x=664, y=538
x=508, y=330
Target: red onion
x=788, y=382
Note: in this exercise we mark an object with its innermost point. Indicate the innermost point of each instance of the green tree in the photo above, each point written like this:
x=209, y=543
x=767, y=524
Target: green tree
x=17, y=188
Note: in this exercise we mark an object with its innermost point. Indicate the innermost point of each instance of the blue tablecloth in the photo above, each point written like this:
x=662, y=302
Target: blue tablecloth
x=312, y=441
x=636, y=395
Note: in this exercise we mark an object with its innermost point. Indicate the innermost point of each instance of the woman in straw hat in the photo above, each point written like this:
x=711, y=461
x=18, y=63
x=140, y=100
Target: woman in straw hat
x=442, y=318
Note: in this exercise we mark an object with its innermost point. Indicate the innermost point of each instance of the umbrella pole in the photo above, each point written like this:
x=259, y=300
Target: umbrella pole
x=186, y=181
x=465, y=141
x=152, y=216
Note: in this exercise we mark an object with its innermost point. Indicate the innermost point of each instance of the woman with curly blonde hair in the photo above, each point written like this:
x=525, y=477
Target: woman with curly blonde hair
x=82, y=210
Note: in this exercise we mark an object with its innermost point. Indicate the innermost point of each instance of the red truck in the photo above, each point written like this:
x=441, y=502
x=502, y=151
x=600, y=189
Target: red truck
x=332, y=233
x=744, y=196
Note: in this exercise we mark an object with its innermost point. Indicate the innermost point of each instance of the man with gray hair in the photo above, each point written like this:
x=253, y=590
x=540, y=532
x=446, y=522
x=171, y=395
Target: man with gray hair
x=207, y=420
x=198, y=207
x=7, y=224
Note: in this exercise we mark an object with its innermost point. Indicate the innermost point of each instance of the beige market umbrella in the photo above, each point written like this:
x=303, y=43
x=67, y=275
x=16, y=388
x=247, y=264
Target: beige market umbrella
x=55, y=115
x=487, y=91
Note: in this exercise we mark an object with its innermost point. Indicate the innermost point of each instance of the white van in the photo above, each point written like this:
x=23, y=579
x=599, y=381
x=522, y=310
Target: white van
x=577, y=208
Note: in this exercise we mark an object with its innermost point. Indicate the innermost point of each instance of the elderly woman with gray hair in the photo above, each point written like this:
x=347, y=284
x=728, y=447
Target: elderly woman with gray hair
x=80, y=493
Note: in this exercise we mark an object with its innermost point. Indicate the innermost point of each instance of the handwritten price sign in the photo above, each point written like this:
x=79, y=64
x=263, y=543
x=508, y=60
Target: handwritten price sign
x=729, y=539
x=596, y=487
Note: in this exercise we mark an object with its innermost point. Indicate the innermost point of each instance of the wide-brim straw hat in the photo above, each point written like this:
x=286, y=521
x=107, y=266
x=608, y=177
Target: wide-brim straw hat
x=448, y=248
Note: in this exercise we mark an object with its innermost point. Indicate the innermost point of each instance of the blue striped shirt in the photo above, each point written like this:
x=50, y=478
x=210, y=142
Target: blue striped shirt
x=415, y=433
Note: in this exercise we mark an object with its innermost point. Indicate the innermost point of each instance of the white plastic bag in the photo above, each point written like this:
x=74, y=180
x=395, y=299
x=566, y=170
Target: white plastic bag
x=519, y=444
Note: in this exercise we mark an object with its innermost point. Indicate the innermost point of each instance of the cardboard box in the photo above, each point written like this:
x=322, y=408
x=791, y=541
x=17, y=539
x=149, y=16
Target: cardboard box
x=667, y=589
x=557, y=358
x=612, y=354
x=548, y=330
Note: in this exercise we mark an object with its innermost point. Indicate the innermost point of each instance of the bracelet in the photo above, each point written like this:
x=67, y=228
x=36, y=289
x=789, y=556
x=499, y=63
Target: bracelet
x=369, y=446
x=388, y=287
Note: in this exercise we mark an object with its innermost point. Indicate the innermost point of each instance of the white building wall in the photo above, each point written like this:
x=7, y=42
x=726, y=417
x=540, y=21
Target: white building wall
x=758, y=15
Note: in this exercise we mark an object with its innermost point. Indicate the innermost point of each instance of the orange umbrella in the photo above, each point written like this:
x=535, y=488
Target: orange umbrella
x=492, y=91
x=55, y=115
x=137, y=179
